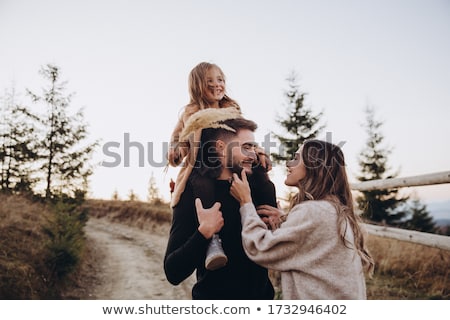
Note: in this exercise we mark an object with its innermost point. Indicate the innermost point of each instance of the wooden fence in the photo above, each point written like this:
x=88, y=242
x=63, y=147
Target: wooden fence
x=428, y=239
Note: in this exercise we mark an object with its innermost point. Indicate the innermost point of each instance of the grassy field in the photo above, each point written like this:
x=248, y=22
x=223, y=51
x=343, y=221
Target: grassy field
x=22, y=244
x=40, y=247
x=138, y=214
x=403, y=270
x=408, y=271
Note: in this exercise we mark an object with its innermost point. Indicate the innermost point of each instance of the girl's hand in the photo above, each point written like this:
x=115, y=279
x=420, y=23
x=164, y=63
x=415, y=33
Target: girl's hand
x=177, y=152
x=210, y=220
x=264, y=159
x=240, y=189
x=173, y=157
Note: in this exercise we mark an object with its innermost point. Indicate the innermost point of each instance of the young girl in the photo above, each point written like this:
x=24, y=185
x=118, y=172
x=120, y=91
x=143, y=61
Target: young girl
x=206, y=90
x=319, y=249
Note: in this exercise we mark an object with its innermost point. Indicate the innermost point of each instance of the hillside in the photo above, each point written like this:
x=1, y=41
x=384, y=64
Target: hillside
x=125, y=244
x=22, y=244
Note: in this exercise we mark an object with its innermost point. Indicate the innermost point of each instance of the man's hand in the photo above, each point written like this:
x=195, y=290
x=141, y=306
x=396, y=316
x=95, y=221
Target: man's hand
x=210, y=220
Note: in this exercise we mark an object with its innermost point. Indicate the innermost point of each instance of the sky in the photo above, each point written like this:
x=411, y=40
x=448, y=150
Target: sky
x=128, y=62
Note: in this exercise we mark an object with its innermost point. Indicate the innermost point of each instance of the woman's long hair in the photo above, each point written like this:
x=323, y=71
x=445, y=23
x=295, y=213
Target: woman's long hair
x=198, y=86
x=326, y=179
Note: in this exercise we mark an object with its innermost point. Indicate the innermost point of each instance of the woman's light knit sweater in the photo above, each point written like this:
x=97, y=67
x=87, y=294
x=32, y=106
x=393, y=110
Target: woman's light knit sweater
x=307, y=249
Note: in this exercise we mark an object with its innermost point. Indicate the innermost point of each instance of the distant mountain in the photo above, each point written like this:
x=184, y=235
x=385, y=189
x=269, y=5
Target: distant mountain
x=442, y=222
x=439, y=210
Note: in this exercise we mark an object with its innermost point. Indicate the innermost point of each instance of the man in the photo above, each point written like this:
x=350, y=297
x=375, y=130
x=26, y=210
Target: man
x=226, y=146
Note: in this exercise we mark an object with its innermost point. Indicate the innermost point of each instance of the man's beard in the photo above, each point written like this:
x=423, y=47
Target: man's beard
x=235, y=167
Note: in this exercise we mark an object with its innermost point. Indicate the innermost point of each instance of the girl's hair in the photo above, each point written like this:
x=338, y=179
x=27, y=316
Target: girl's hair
x=326, y=179
x=198, y=86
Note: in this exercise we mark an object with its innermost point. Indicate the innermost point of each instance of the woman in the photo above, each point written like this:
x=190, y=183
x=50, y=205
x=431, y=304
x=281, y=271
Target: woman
x=319, y=249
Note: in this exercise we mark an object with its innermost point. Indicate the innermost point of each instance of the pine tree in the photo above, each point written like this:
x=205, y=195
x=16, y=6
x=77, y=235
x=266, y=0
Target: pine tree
x=300, y=122
x=66, y=163
x=420, y=218
x=377, y=205
x=18, y=146
x=153, y=191
x=132, y=196
x=115, y=195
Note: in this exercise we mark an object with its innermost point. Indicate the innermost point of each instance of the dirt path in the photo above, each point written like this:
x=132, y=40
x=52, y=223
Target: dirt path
x=129, y=264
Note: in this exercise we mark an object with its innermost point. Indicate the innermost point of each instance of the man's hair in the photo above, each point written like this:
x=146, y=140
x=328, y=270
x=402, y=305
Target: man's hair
x=208, y=161
x=214, y=134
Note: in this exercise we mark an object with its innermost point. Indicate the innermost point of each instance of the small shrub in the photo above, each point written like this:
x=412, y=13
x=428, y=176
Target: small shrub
x=65, y=240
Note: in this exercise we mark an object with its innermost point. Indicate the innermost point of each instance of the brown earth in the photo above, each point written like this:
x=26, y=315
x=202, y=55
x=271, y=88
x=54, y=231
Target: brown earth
x=125, y=262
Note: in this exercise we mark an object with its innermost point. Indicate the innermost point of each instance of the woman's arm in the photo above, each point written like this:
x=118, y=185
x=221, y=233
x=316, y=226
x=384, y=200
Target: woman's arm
x=278, y=249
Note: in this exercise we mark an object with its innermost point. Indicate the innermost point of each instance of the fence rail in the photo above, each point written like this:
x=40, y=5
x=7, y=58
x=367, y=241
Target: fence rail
x=428, y=239
x=422, y=180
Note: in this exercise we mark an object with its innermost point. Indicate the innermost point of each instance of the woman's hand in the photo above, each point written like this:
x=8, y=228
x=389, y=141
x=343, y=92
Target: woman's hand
x=210, y=220
x=271, y=216
x=240, y=189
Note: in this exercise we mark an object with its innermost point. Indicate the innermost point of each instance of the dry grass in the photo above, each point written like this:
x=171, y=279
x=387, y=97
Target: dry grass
x=40, y=247
x=22, y=246
x=138, y=214
x=408, y=271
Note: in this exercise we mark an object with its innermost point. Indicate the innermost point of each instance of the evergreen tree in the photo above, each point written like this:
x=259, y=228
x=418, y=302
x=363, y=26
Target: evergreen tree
x=133, y=196
x=115, y=195
x=18, y=149
x=420, y=218
x=65, y=160
x=300, y=122
x=153, y=191
x=377, y=205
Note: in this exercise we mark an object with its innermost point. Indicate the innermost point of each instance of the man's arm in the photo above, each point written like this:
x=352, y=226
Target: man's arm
x=186, y=247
